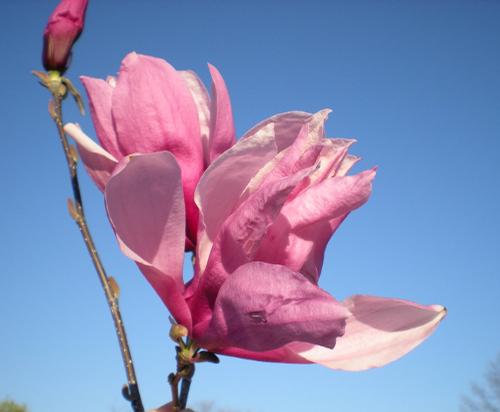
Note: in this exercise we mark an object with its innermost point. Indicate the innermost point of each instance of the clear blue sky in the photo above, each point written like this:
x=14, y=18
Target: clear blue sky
x=416, y=82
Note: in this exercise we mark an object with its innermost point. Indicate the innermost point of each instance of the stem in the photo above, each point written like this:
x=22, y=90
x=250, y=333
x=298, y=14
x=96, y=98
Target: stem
x=183, y=375
x=130, y=391
x=174, y=379
x=185, y=385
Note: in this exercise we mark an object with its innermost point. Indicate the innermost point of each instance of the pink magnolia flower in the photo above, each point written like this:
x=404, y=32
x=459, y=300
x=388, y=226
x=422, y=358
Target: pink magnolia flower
x=151, y=107
x=268, y=207
x=62, y=31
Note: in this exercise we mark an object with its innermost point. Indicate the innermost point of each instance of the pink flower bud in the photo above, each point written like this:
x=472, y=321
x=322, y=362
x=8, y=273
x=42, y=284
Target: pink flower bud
x=63, y=29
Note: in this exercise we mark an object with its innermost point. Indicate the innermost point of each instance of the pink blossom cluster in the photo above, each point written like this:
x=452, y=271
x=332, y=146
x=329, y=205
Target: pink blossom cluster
x=257, y=212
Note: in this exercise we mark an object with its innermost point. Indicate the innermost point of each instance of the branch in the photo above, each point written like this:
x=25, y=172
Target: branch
x=59, y=87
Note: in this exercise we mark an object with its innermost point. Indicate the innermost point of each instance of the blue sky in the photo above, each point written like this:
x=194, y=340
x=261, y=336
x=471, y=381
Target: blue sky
x=416, y=82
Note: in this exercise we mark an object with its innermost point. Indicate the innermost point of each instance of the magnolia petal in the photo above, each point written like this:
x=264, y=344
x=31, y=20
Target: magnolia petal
x=153, y=110
x=301, y=250
x=286, y=127
x=332, y=155
x=282, y=354
x=98, y=162
x=222, y=133
x=100, y=95
x=145, y=206
x=302, y=152
x=317, y=125
x=311, y=241
x=305, y=245
x=222, y=183
x=262, y=307
x=202, y=100
x=347, y=163
x=300, y=233
x=379, y=331
x=280, y=165
x=329, y=199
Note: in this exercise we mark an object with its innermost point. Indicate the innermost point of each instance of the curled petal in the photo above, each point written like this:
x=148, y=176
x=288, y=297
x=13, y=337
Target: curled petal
x=317, y=125
x=286, y=127
x=98, y=162
x=379, y=331
x=301, y=153
x=330, y=158
x=311, y=242
x=262, y=307
x=145, y=206
x=348, y=162
x=299, y=235
x=329, y=199
x=281, y=165
x=222, y=133
x=100, y=94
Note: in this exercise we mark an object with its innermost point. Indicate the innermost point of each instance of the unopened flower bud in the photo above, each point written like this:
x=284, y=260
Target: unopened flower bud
x=178, y=332
x=63, y=29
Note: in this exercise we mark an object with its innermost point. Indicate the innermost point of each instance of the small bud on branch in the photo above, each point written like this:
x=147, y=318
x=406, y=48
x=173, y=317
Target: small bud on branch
x=62, y=31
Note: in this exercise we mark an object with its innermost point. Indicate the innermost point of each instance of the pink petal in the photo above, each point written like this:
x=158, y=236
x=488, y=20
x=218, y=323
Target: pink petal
x=202, y=100
x=286, y=127
x=145, y=206
x=98, y=162
x=298, y=236
x=100, y=94
x=379, y=331
x=283, y=164
x=222, y=133
x=153, y=110
x=317, y=126
x=302, y=153
x=311, y=241
x=331, y=157
x=282, y=354
x=302, y=249
x=348, y=162
x=329, y=199
x=262, y=307
x=222, y=183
